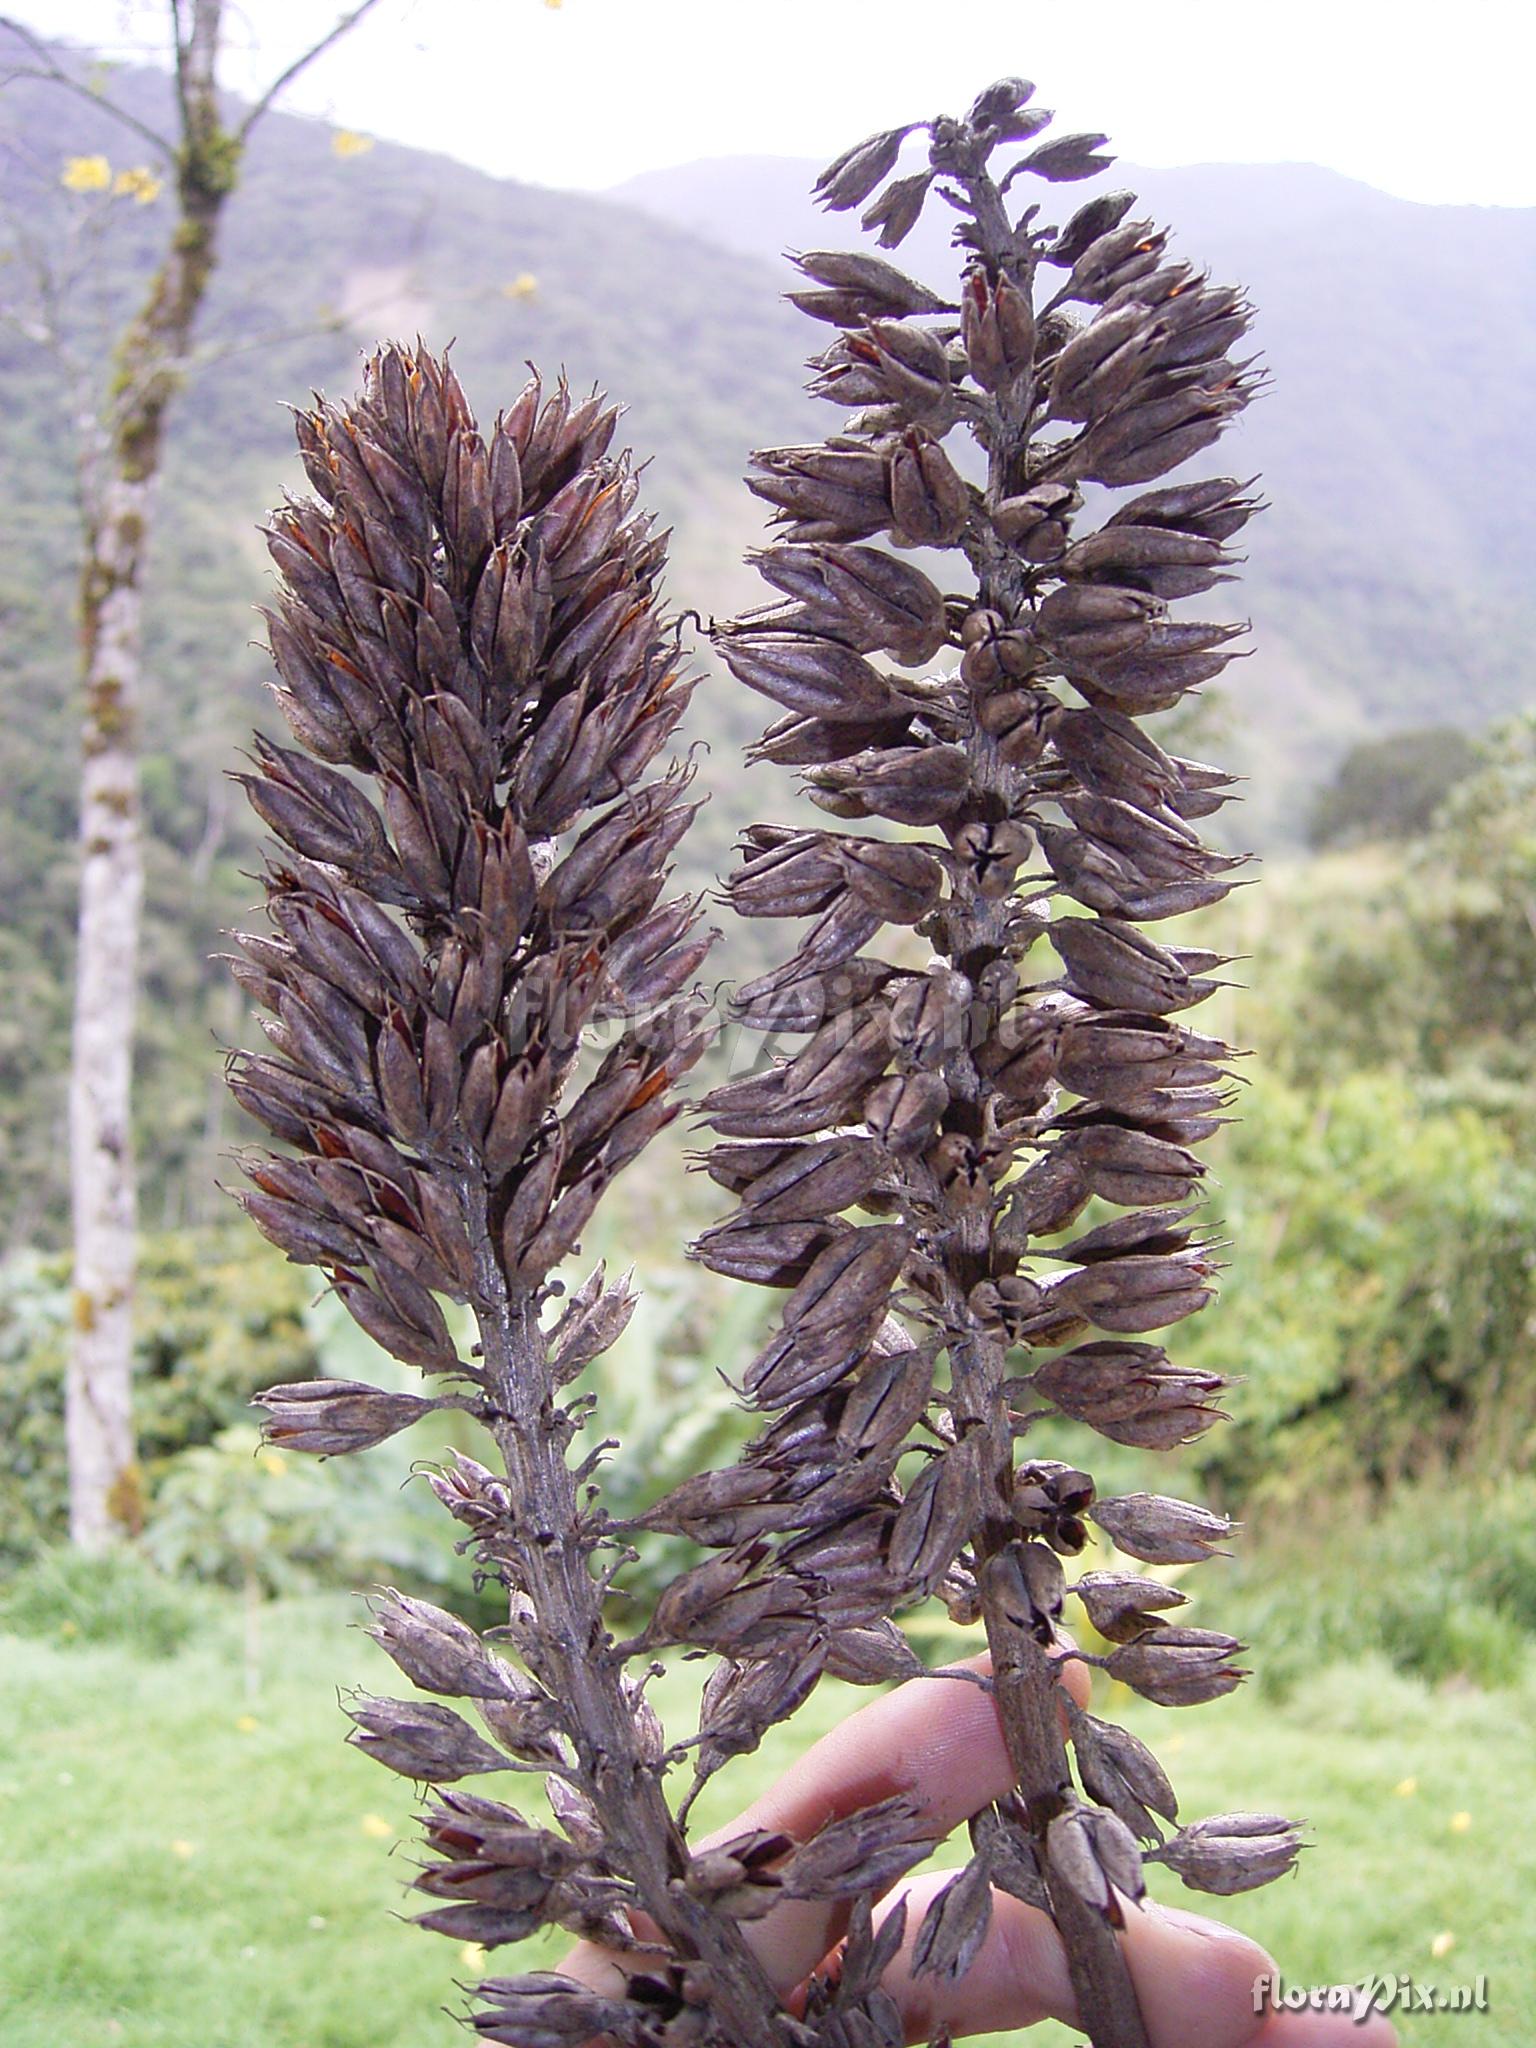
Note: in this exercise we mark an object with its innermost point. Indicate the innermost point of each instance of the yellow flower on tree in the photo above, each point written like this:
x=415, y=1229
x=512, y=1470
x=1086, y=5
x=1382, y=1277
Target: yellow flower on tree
x=86, y=174
x=347, y=142
x=139, y=184
x=524, y=286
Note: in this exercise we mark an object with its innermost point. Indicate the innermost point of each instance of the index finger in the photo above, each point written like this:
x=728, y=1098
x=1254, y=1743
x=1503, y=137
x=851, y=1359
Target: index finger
x=935, y=1741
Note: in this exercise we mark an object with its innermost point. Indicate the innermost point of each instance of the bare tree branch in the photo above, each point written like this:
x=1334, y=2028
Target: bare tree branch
x=52, y=72
x=285, y=78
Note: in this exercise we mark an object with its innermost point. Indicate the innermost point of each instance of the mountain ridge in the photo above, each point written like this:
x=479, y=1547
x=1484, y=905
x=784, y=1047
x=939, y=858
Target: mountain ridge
x=1393, y=569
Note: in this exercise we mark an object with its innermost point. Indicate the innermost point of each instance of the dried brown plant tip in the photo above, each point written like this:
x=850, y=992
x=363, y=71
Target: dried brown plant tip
x=972, y=1106
x=472, y=658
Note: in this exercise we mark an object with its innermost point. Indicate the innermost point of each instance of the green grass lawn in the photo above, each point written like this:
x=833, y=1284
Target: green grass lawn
x=189, y=1867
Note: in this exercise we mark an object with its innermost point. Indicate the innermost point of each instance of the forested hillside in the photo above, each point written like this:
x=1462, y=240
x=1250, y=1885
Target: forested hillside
x=196, y=1853
x=1390, y=584
x=1386, y=584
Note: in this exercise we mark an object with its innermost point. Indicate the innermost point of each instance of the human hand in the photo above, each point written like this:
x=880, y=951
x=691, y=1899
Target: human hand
x=938, y=1743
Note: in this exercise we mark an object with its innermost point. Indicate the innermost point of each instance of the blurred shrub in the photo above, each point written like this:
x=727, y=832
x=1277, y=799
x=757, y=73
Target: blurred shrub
x=1390, y=787
x=1378, y=1190
x=239, y=1513
x=218, y=1316
x=1381, y=1301
x=1424, y=956
x=1440, y=1581
x=64, y=1597
x=661, y=1391
x=1473, y=898
x=378, y=1518
x=666, y=1391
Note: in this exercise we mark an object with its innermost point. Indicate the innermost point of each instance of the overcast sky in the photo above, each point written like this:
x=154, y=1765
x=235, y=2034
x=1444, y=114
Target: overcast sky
x=1432, y=104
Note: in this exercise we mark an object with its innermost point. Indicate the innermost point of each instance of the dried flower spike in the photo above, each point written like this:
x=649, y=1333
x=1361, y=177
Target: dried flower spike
x=472, y=658
x=971, y=1106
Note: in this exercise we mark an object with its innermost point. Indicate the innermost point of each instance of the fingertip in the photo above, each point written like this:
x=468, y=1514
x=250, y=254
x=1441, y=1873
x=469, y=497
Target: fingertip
x=1196, y=1980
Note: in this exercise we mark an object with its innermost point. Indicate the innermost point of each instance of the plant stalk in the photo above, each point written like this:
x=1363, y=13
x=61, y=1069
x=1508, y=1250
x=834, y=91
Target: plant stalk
x=1025, y=1678
x=575, y=1654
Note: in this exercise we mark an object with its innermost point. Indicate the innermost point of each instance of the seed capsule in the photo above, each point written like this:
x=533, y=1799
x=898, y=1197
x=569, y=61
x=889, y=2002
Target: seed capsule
x=1159, y=1530
x=1233, y=1852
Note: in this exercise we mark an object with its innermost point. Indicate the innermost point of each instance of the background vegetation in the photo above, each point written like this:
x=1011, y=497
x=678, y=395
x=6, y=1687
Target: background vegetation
x=1388, y=585
x=170, y=1753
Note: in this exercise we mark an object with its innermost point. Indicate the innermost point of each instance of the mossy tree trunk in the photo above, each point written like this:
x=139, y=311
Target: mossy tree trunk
x=149, y=368
x=148, y=371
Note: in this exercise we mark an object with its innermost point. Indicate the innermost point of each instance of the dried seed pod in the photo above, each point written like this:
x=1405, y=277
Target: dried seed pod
x=1093, y=1851
x=955, y=1925
x=864, y=1852
x=1068, y=158
x=737, y=1877
x=850, y=178
x=436, y=1650
x=544, y=2010
x=1159, y=1530
x=872, y=1655
x=1119, y=1772
x=1131, y=1393
x=860, y=287
x=330, y=1417
x=1027, y=1581
x=1178, y=1667
x=1233, y=1852
x=897, y=210
x=741, y=1702
x=1050, y=1500
x=595, y=1318
x=909, y=785
x=1122, y=1606
x=421, y=1741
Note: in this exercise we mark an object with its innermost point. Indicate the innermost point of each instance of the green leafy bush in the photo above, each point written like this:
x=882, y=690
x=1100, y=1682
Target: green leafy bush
x=64, y=1597
x=1440, y=1581
x=662, y=1389
x=1381, y=1294
x=1423, y=956
x=217, y=1318
x=239, y=1513
x=1390, y=786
